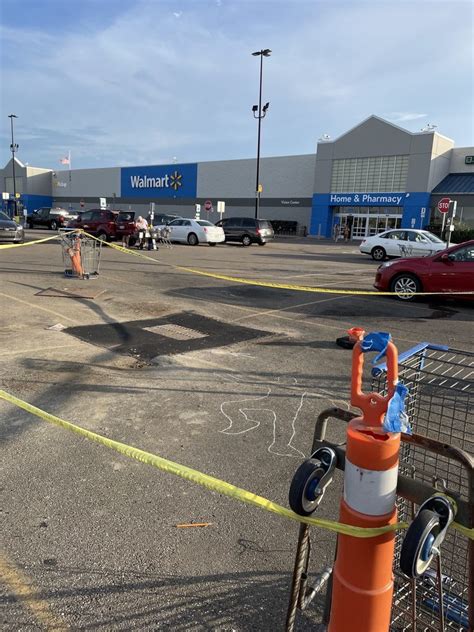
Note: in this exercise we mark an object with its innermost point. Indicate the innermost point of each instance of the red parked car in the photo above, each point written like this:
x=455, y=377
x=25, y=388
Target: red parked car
x=449, y=271
x=106, y=225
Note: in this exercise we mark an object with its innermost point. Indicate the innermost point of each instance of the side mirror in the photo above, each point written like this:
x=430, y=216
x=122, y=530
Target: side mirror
x=35, y=211
x=447, y=256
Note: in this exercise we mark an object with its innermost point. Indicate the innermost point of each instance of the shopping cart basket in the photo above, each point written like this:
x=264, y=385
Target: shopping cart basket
x=81, y=254
x=437, y=457
x=441, y=404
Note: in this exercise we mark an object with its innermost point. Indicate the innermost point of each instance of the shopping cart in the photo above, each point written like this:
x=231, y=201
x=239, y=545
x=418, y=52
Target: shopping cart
x=437, y=457
x=81, y=254
x=164, y=236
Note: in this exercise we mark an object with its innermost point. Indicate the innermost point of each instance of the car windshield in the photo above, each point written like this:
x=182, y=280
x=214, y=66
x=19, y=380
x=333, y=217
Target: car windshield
x=264, y=224
x=202, y=222
x=433, y=238
x=4, y=216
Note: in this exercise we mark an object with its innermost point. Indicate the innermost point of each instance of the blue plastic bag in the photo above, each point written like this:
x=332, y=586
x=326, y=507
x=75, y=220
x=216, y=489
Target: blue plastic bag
x=396, y=419
x=376, y=341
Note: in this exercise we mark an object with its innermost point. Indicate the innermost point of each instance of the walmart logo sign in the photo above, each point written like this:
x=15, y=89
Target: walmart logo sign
x=163, y=181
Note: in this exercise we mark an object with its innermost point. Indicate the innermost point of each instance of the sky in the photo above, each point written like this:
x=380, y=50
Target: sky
x=138, y=82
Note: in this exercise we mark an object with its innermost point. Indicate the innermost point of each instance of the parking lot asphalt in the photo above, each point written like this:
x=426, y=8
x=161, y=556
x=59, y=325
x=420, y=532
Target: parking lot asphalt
x=227, y=378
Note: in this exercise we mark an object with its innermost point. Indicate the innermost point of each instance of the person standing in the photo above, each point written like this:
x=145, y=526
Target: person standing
x=347, y=232
x=335, y=232
x=142, y=227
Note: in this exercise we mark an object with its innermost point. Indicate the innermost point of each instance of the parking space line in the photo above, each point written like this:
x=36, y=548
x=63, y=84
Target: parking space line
x=35, y=307
x=295, y=276
x=23, y=589
x=34, y=350
x=283, y=309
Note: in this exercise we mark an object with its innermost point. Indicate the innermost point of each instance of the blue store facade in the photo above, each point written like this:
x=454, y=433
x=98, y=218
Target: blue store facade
x=375, y=177
x=369, y=213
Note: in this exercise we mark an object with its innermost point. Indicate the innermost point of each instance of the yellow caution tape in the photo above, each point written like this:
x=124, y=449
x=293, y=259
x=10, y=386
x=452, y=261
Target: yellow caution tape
x=127, y=251
x=210, y=482
x=189, y=474
x=305, y=288
x=232, y=279
x=280, y=286
x=28, y=243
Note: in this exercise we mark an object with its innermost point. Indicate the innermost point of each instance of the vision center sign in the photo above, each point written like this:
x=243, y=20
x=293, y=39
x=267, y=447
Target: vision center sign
x=159, y=181
x=367, y=199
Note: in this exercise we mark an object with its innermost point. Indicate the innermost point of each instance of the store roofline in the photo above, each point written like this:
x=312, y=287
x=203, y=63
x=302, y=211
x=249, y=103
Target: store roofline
x=379, y=118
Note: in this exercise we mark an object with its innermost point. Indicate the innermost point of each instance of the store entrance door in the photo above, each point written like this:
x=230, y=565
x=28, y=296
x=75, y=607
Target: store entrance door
x=367, y=224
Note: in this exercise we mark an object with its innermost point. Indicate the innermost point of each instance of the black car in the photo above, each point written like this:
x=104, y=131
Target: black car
x=163, y=219
x=247, y=230
x=52, y=218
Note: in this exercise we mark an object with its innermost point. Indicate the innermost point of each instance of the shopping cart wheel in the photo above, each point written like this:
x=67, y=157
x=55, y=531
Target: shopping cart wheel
x=417, y=548
x=303, y=497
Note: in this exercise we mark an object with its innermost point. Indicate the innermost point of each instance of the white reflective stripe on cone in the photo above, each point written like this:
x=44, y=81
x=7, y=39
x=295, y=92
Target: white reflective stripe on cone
x=370, y=492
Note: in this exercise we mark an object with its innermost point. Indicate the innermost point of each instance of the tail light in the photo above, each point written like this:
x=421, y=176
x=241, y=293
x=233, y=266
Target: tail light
x=258, y=231
x=205, y=229
x=61, y=218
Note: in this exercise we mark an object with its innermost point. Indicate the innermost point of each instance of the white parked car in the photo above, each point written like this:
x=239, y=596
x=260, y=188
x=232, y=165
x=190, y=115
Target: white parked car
x=402, y=243
x=195, y=231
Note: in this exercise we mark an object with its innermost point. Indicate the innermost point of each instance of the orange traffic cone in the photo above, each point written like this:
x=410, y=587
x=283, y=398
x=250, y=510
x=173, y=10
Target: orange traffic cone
x=75, y=254
x=363, y=578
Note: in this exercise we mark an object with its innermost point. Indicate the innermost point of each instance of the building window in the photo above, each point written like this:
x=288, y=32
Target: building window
x=380, y=174
x=9, y=184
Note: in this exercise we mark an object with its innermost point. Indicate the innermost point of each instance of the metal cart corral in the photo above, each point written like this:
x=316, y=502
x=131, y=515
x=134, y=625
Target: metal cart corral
x=81, y=254
x=437, y=457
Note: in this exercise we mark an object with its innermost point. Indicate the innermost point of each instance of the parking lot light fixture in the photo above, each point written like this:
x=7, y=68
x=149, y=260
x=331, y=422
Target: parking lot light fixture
x=259, y=113
x=13, y=148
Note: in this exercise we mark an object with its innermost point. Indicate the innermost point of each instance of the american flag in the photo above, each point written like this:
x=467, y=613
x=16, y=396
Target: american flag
x=65, y=161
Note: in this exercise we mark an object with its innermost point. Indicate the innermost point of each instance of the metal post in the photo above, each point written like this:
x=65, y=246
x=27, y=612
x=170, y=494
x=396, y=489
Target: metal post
x=259, y=113
x=451, y=223
x=13, y=148
x=257, y=188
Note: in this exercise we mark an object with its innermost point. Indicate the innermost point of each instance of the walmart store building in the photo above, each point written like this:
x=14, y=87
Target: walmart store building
x=375, y=176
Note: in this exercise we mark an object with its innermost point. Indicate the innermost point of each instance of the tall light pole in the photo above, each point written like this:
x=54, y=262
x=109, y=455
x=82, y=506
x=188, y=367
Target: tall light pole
x=259, y=113
x=13, y=148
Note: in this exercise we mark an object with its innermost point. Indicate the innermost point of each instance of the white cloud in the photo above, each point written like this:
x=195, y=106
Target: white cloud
x=148, y=86
x=403, y=117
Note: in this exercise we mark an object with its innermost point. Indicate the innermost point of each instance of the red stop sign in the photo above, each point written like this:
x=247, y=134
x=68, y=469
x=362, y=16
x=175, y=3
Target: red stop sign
x=443, y=205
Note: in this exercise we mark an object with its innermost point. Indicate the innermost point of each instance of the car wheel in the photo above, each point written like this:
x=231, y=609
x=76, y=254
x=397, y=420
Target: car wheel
x=378, y=253
x=53, y=224
x=102, y=235
x=192, y=239
x=212, y=243
x=29, y=225
x=246, y=240
x=406, y=286
x=132, y=241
